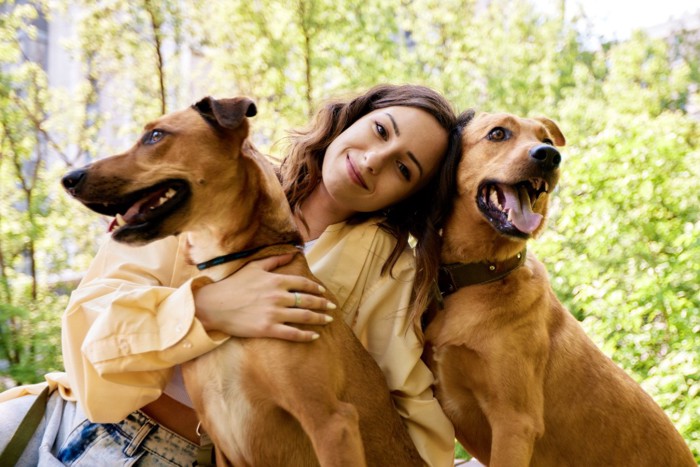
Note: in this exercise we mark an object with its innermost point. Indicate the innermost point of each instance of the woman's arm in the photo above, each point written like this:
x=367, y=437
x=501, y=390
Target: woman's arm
x=138, y=312
x=122, y=324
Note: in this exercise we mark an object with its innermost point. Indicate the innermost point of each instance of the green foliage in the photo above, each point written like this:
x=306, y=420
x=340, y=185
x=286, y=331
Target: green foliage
x=30, y=338
x=622, y=246
x=461, y=453
x=624, y=255
x=34, y=248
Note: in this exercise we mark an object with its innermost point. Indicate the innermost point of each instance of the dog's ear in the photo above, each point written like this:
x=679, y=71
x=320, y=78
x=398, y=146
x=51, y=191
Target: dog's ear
x=226, y=113
x=554, y=130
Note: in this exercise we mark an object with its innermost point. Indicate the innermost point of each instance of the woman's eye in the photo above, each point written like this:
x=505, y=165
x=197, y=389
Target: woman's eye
x=152, y=137
x=381, y=131
x=498, y=134
x=405, y=172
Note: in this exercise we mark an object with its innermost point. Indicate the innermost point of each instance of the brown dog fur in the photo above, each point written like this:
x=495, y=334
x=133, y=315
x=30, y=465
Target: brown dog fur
x=517, y=375
x=264, y=402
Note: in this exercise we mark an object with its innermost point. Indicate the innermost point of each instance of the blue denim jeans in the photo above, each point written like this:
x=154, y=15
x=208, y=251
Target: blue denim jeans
x=137, y=441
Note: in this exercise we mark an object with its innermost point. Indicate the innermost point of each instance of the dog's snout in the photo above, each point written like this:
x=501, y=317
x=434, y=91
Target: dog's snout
x=546, y=156
x=72, y=180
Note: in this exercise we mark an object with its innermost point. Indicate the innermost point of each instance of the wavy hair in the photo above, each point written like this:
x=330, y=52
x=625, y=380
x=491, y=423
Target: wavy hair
x=416, y=216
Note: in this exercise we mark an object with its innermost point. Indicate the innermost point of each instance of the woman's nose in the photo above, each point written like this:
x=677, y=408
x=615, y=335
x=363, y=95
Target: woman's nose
x=373, y=161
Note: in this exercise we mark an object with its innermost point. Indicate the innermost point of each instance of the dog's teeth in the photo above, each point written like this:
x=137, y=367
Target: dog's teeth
x=546, y=185
x=120, y=220
x=494, y=198
x=168, y=194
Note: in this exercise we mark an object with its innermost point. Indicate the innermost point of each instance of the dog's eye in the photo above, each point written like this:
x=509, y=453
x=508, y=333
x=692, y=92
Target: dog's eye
x=548, y=141
x=498, y=134
x=153, y=136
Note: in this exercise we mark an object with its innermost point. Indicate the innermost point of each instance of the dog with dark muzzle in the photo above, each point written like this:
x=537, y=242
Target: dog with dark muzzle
x=264, y=402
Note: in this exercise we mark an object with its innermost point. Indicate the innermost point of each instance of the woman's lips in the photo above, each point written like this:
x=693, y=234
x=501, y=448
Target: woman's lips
x=354, y=173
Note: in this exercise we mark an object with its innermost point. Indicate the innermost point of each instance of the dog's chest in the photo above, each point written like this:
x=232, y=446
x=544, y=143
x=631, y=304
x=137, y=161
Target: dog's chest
x=216, y=385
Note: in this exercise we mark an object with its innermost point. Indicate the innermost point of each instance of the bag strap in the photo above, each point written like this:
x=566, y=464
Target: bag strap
x=206, y=454
x=14, y=449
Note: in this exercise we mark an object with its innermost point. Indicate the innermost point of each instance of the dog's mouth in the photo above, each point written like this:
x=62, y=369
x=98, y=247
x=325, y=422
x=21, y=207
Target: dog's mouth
x=517, y=209
x=144, y=207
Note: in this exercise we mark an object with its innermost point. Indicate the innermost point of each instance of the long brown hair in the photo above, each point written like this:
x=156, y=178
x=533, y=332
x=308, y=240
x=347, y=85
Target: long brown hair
x=301, y=173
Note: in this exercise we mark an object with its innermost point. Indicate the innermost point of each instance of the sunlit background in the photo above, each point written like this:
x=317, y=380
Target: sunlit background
x=78, y=81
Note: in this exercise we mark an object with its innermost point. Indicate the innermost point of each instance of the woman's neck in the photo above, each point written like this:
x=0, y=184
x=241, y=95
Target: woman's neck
x=319, y=212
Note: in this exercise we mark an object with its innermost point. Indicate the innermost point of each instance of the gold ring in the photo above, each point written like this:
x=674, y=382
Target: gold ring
x=297, y=300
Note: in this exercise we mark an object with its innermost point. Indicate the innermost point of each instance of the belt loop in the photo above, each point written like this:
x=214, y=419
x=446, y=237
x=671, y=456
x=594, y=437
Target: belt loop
x=144, y=431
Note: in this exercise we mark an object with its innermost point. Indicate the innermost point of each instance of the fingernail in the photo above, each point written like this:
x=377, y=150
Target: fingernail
x=321, y=289
x=331, y=306
x=315, y=336
x=328, y=318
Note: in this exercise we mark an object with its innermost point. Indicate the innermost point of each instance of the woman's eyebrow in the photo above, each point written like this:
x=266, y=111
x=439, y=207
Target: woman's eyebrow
x=393, y=123
x=415, y=161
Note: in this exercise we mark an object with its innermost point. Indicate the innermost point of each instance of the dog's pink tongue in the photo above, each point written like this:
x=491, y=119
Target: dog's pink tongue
x=128, y=216
x=133, y=211
x=521, y=214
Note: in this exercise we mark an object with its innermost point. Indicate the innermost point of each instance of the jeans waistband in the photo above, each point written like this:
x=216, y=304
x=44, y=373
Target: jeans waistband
x=144, y=431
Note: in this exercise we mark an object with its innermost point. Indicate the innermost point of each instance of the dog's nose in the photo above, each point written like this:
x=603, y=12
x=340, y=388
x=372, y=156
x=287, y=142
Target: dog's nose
x=546, y=156
x=72, y=180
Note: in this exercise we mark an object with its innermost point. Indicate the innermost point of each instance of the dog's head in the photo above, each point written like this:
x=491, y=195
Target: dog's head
x=508, y=169
x=183, y=159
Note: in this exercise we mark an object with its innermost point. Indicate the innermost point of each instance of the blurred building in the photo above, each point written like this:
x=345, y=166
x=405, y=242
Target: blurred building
x=683, y=36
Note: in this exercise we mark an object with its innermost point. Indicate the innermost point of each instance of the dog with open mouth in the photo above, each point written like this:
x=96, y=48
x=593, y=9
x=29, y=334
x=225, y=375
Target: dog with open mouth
x=516, y=374
x=264, y=402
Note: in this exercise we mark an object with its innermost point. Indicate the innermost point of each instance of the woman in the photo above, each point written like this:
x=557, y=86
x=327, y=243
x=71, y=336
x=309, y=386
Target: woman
x=360, y=179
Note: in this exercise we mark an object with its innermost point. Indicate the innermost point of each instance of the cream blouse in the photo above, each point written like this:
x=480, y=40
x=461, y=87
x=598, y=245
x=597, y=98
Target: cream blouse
x=131, y=320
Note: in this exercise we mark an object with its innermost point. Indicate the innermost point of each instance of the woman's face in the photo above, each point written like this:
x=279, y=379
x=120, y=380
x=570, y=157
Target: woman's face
x=382, y=158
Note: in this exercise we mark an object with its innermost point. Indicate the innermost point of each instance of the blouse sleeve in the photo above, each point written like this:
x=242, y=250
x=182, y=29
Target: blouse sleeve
x=390, y=339
x=383, y=326
x=127, y=324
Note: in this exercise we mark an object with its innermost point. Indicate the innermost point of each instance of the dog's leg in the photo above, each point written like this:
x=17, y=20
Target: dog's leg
x=516, y=412
x=509, y=392
x=332, y=425
x=514, y=436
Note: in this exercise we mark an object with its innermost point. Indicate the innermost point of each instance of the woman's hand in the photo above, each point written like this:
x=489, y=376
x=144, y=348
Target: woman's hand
x=255, y=302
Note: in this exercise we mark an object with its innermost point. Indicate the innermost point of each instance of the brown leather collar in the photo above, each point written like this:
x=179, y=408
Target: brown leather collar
x=452, y=277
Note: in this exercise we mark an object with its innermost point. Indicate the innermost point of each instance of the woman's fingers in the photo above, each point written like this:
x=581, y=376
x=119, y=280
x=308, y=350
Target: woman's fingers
x=281, y=280
x=299, y=316
x=282, y=325
x=256, y=301
x=300, y=284
x=309, y=302
x=290, y=333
